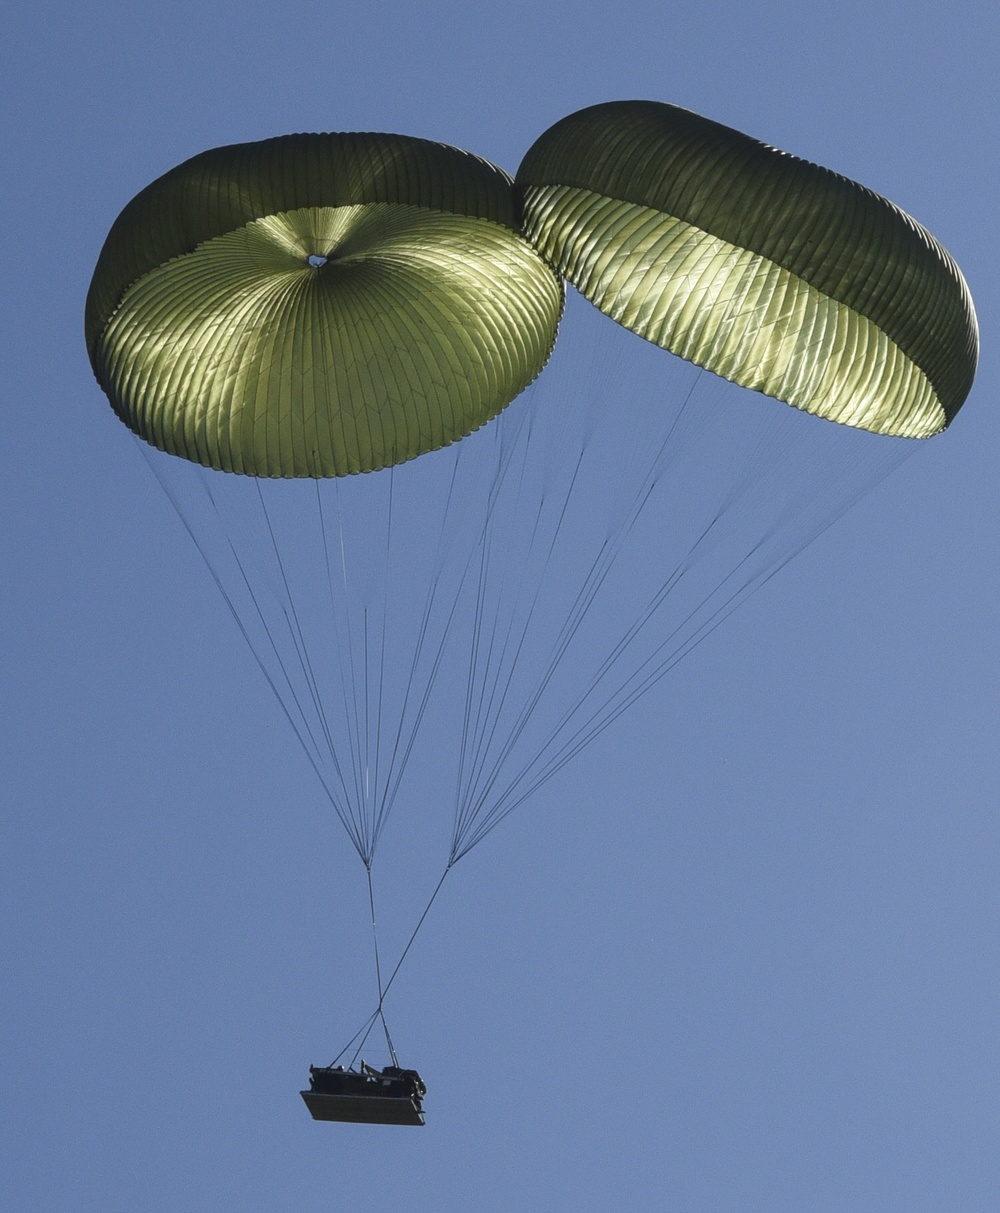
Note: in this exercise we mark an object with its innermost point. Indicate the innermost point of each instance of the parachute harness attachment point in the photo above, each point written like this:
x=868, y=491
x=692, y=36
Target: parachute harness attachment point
x=360, y=1038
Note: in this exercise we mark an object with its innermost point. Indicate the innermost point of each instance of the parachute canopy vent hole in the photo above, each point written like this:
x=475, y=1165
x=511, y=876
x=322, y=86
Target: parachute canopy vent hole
x=316, y=260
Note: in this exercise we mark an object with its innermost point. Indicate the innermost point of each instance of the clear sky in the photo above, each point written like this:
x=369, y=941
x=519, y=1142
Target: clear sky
x=742, y=953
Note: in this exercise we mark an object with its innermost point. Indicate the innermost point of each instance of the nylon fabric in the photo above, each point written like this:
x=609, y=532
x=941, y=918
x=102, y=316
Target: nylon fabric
x=319, y=305
x=244, y=357
x=847, y=257
x=226, y=188
x=732, y=312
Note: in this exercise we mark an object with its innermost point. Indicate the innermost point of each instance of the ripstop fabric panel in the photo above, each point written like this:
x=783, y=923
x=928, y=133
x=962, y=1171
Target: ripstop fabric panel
x=768, y=270
x=329, y=338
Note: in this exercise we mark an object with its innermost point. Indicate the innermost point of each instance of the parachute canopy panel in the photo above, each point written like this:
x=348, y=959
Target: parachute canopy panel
x=317, y=305
x=774, y=273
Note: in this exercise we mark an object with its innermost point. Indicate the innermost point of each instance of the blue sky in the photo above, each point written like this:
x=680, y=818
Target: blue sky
x=742, y=953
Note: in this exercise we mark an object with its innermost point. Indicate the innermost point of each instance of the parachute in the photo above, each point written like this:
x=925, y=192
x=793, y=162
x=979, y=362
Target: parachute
x=315, y=305
x=457, y=626
x=770, y=271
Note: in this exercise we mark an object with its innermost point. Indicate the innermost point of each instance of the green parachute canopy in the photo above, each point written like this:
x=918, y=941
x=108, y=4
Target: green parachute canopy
x=316, y=305
x=770, y=271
